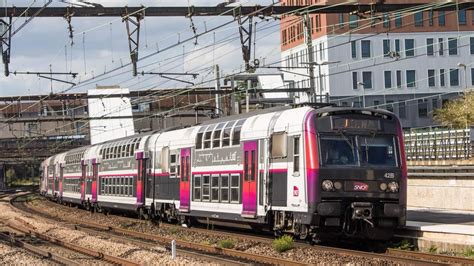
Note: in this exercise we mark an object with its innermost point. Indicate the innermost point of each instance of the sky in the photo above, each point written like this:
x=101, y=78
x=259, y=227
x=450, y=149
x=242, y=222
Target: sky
x=100, y=45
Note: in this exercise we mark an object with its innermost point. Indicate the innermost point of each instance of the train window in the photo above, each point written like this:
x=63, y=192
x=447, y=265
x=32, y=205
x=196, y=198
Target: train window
x=137, y=144
x=253, y=163
x=165, y=151
x=122, y=186
x=199, y=138
x=124, y=151
x=224, y=188
x=236, y=132
x=235, y=188
x=207, y=138
x=246, y=166
x=226, y=134
x=337, y=150
x=215, y=188
x=216, y=136
x=279, y=149
x=128, y=150
x=199, y=141
x=197, y=188
x=173, y=165
x=205, y=188
x=296, y=154
x=379, y=150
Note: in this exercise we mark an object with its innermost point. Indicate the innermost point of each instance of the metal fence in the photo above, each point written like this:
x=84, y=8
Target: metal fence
x=439, y=144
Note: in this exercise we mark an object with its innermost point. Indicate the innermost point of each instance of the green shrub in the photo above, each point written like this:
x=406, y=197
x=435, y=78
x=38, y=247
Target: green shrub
x=433, y=249
x=226, y=243
x=283, y=243
x=173, y=230
x=468, y=253
x=405, y=245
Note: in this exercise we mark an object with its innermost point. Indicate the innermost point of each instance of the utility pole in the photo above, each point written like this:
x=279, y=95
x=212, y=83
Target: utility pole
x=218, y=87
x=309, y=44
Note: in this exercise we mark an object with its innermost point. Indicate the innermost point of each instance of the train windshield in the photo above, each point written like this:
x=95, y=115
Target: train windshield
x=352, y=150
x=340, y=150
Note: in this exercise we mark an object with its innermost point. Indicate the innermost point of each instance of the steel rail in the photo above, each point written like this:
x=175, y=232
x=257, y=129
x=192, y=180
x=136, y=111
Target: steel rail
x=74, y=247
x=146, y=245
x=429, y=256
x=191, y=245
x=14, y=241
x=414, y=260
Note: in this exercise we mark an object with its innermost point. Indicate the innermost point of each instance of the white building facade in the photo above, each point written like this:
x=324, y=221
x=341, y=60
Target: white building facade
x=410, y=72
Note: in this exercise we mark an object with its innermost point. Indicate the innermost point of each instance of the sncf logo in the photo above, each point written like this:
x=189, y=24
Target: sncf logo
x=296, y=191
x=359, y=186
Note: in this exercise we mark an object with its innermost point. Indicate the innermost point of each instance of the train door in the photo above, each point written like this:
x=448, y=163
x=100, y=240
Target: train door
x=141, y=177
x=95, y=177
x=249, y=184
x=184, y=189
x=83, y=180
x=55, y=180
x=61, y=180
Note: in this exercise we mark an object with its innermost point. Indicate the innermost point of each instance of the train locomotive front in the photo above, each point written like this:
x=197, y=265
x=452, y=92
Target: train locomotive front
x=356, y=160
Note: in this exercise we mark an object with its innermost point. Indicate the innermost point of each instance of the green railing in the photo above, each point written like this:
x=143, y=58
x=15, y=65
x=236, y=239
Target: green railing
x=439, y=144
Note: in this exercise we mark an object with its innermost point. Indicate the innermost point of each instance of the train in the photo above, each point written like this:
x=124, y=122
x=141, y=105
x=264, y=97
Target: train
x=314, y=172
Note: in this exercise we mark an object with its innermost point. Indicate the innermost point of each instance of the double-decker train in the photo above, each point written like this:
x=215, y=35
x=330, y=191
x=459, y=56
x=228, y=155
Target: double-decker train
x=312, y=172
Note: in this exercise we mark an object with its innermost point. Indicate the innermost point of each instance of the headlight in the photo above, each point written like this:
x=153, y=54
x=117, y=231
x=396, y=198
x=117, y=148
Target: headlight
x=337, y=185
x=327, y=185
x=383, y=186
x=393, y=186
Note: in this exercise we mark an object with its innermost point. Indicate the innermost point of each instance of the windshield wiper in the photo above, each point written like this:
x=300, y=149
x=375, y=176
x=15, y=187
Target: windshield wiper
x=346, y=139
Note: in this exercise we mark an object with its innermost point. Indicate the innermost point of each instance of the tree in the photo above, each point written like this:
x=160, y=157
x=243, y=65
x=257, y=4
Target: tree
x=457, y=113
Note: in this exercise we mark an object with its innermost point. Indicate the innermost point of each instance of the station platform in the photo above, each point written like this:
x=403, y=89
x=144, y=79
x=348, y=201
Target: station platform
x=445, y=230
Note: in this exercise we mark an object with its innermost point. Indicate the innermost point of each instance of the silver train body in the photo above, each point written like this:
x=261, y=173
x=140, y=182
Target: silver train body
x=310, y=172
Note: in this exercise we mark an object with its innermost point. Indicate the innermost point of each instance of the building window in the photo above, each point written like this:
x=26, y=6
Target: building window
x=462, y=19
x=411, y=82
x=386, y=20
x=365, y=47
x=354, y=80
x=441, y=46
x=442, y=78
x=453, y=46
x=419, y=19
x=430, y=46
x=389, y=106
x=354, y=49
x=454, y=77
x=386, y=48
x=367, y=79
x=388, y=79
x=422, y=108
x=471, y=45
x=397, y=46
x=399, y=78
x=353, y=21
x=376, y=103
x=472, y=76
x=441, y=18
x=402, y=112
x=431, y=78
x=409, y=47
x=318, y=23
x=398, y=20
x=434, y=104
x=430, y=17
x=341, y=20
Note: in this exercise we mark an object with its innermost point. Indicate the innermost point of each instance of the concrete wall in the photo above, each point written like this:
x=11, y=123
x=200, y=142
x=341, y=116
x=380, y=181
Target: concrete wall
x=450, y=193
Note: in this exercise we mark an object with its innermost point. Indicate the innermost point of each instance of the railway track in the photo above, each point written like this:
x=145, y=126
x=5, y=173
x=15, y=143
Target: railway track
x=201, y=251
x=398, y=256
x=18, y=241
